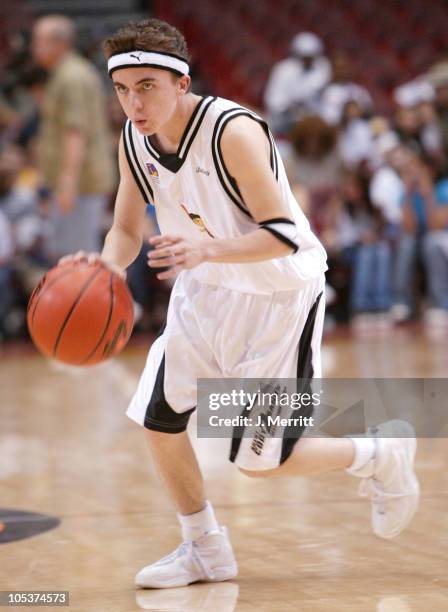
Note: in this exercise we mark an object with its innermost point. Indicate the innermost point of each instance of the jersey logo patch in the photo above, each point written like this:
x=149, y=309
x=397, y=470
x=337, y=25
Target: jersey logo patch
x=153, y=172
x=197, y=220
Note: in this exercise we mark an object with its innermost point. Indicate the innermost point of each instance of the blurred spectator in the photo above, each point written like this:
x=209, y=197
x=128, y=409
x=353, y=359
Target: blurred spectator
x=371, y=290
x=421, y=97
x=116, y=119
x=435, y=256
x=407, y=126
x=22, y=235
x=295, y=83
x=386, y=186
x=417, y=204
x=438, y=78
x=74, y=145
x=7, y=295
x=431, y=135
x=342, y=90
x=402, y=190
x=14, y=102
x=379, y=126
x=33, y=80
x=21, y=200
x=355, y=136
x=356, y=238
x=416, y=121
x=312, y=163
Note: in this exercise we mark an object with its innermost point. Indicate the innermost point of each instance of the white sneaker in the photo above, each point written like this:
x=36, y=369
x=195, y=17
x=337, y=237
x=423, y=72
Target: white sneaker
x=210, y=558
x=393, y=488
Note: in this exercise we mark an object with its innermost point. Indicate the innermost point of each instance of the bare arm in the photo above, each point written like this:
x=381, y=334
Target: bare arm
x=124, y=239
x=246, y=153
x=73, y=148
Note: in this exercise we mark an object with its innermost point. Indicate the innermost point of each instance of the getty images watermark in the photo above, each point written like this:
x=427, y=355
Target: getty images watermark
x=229, y=408
x=266, y=406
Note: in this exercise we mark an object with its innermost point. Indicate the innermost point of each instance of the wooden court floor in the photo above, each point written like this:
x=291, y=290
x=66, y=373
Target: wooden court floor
x=68, y=451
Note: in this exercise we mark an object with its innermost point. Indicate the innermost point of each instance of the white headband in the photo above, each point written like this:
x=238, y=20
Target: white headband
x=151, y=59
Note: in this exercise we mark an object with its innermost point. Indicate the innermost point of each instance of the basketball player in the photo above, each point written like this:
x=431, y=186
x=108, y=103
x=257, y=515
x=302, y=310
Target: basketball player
x=248, y=298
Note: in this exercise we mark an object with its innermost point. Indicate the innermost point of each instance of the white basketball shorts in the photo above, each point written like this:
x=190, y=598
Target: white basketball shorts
x=215, y=332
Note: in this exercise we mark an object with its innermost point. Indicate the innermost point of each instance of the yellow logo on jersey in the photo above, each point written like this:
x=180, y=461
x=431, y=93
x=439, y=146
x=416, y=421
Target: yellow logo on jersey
x=197, y=220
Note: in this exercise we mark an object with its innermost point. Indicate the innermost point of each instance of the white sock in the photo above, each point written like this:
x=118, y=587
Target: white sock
x=195, y=525
x=362, y=465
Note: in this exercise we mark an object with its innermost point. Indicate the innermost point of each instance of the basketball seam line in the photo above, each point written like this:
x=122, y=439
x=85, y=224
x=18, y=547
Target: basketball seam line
x=44, y=289
x=109, y=318
x=72, y=308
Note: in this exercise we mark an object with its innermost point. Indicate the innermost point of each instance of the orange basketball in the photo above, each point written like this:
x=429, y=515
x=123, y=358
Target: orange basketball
x=80, y=313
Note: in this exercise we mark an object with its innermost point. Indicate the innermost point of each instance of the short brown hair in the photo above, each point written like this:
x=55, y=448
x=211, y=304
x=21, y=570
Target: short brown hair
x=147, y=35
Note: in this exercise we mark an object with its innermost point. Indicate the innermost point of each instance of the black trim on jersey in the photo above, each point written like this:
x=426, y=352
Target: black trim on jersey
x=196, y=129
x=138, y=164
x=216, y=140
x=131, y=166
x=150, y=148
x=281, y=237
x=305, y=373
x=159, y=415
x=273, y=157
x=171, y=162
x=264, y=125
x=193, y=116
x=278, y=220
x=158, y=66
x=174, y=161
x=218, y=127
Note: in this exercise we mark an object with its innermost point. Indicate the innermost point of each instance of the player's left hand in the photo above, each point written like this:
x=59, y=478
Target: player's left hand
x=175, y=253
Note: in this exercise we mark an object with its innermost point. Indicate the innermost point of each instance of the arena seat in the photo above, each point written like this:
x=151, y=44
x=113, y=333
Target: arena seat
x=379, y=36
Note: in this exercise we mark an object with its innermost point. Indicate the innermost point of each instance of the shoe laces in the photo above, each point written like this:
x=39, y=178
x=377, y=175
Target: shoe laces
x=374, y=489
x=208, y=571
x=179, y=552
x=190, y=548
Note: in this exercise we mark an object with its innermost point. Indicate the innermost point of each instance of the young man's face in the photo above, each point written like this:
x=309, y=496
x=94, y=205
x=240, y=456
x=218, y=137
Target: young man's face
x=148, y=96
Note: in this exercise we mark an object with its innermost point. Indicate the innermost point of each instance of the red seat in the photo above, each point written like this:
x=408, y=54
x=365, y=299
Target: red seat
x=236, y=44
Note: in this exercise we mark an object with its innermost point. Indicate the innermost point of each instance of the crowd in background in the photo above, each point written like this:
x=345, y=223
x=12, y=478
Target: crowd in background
x=374, y=188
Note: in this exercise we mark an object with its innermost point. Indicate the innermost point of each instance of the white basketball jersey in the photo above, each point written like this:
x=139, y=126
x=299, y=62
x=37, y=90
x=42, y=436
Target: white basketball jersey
x=195, y=197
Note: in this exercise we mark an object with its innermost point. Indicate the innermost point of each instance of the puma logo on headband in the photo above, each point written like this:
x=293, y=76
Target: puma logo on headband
x=151, y=59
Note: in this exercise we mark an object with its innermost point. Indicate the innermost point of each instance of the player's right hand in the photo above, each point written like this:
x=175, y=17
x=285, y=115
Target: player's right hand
x=91, y=259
